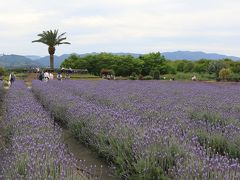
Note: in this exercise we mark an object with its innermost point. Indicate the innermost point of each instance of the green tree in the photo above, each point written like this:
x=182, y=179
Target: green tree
x=201, y=66
x=180, y=66
x=216, y=66
x=155, y=73
x=188, y=67
x=224, y=73
x=126, y=65
x=51, y=39
x=235, y=67
x=2, y=71
x=152, y=61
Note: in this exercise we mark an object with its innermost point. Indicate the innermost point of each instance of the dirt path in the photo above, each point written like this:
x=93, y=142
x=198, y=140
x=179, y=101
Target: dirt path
x=30, y=77
x=90, y=158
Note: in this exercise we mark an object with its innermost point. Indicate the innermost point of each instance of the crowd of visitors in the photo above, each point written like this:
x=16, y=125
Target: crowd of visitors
x=46, y=76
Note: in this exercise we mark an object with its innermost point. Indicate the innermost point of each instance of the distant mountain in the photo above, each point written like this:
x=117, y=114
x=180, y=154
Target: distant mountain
x=196, y=55
x=33, y=57
x=122, y=54
x=57, y=60
x=16, y=61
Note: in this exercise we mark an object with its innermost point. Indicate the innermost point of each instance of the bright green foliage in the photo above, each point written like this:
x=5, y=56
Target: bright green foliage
x=152, y=61
x=2, y=71
x=201, y=66
x=215, y=67
x=224, y=73
x=188, y=67
x=234, y=77
x=235, y=67
x=185, y=66
x=133, y=76
x=148, y=78
x=51, y=38
x=145, y=65
x=211, y=118
x=219, y=144
x=121, y=65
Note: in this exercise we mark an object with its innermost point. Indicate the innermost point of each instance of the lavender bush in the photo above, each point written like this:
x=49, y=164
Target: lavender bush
x=153, y=130
x=35, y=150
x=1, y=90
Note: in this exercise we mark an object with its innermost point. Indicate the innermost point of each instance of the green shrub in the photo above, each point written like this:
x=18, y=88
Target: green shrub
x=156, y=75
x=224, y=73
x=148, y=78
x=2, y=71
x=220, y=144
x=234, y=77
x=203, y=138
x=133, y=76
x=211, y=118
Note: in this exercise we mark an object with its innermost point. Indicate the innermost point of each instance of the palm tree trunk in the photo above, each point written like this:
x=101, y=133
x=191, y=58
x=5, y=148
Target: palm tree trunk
x=51, y=61
x=51, y=51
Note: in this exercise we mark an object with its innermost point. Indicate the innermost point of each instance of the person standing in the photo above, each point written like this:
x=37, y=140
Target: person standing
x=194, y=78
x=12, y=78
x=59, y=76
x=46, y=76
x=51, y=77
x=41, y=76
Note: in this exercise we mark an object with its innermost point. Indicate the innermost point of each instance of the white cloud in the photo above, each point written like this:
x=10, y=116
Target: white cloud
x=122, y=25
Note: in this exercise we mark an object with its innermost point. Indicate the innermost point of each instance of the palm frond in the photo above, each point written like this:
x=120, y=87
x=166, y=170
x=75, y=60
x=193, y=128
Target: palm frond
x=51, y=38
x=64, y=43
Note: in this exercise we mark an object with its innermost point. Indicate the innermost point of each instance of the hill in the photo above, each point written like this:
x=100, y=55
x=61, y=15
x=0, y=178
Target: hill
x=196, y=55
x=33, y=57
x=44, y=61
x=16, y=61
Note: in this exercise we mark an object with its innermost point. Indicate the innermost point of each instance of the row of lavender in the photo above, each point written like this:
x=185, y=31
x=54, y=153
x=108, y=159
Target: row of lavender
x=153, y=129
x=1, y=90
x=35, y=150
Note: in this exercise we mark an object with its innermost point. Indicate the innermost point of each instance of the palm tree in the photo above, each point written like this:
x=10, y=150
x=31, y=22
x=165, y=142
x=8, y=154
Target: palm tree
x=51, y=39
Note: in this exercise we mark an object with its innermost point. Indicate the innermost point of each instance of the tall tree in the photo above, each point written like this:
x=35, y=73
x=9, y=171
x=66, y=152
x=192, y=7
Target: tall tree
x=51, y=39
x=152, y=61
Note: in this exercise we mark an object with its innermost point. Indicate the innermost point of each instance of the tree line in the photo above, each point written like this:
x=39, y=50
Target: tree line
x=152, y=64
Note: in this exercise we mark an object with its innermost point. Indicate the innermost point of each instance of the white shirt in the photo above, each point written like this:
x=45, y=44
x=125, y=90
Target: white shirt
x=46, y=75
x=51, y=76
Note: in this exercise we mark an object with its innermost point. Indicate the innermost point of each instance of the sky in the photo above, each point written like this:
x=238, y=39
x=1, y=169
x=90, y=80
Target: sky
x=137, y=26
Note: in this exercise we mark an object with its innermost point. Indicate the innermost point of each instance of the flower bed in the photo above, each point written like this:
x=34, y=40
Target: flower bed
x=36, y=150
x=152, y=129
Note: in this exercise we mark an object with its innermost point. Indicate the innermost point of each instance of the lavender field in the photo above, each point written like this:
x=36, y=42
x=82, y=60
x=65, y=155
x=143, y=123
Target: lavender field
x=152, y=130
x=34, y=149
x=144, y=130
